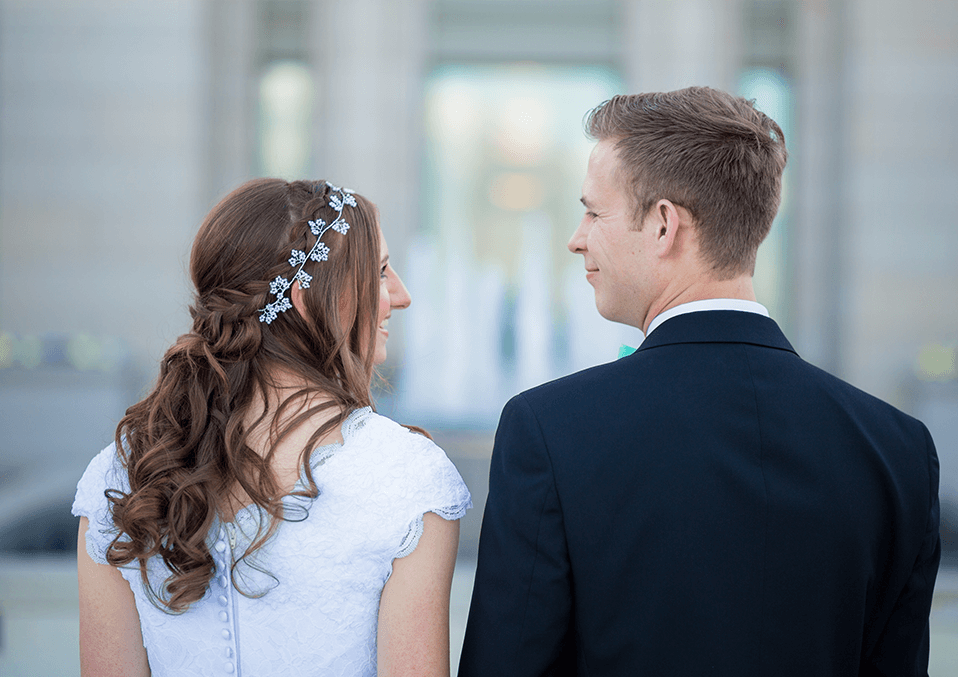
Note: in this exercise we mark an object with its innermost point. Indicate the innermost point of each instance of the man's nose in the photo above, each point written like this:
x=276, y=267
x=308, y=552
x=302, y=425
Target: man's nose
x=576, y=243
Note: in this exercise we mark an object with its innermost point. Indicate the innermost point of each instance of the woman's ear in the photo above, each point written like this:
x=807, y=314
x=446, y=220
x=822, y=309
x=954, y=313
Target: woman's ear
x=298, y=300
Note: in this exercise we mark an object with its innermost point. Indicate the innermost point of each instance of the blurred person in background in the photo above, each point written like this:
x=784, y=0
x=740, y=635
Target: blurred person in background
x=255, y=515
x=711, y=504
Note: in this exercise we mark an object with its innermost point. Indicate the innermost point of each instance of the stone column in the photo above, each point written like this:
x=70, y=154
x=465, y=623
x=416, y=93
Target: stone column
x=372, y=57
x=671, y=44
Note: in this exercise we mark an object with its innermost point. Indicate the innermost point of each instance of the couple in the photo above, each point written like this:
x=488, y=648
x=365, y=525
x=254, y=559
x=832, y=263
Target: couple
x=708, y=505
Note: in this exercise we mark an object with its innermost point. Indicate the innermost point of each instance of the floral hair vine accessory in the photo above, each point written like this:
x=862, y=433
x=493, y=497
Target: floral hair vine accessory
x=338, y=199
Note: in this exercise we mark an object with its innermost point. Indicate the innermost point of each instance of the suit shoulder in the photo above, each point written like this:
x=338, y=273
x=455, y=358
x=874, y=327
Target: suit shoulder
x=572, y=387
x=853, y=398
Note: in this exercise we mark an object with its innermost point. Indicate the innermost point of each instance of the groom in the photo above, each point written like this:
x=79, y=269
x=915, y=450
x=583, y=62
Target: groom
x=712, y=504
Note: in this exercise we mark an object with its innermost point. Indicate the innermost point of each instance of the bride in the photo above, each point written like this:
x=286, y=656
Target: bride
x=254, y=514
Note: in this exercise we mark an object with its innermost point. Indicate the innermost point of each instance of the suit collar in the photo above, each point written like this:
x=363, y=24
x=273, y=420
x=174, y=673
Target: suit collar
x=718, y=326
x=707, y=304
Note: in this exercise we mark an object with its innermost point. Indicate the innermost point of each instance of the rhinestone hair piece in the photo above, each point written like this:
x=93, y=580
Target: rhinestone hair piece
x=338, y=199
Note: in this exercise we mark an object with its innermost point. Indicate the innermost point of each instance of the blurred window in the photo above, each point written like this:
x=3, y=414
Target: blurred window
x=285, y=118
x=500, y=304
x=286, y=89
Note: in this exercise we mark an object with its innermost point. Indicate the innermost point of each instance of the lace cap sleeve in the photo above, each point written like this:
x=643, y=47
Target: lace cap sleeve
x=432, y=485
x=104, y=472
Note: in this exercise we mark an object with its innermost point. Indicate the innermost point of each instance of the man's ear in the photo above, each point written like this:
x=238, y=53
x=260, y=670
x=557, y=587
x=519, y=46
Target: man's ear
x=297, y=299
x=666, y=220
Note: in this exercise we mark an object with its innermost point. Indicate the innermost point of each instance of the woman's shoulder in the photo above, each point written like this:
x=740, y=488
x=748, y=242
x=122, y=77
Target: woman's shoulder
x=412, y=461
x=366, y=427
x=105, y=471
x=411, y=475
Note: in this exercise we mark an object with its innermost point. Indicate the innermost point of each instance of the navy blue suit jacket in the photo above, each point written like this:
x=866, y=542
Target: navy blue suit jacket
x=710, y=505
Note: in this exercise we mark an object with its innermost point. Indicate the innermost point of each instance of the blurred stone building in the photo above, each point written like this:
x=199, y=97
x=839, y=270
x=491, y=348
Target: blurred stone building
x=123, y=121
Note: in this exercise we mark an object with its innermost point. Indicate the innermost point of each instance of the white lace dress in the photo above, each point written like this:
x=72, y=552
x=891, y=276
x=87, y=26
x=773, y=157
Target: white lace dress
x=322, y=575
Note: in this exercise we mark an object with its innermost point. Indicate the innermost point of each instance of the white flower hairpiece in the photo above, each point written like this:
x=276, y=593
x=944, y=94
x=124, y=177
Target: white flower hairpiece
x=338, y=199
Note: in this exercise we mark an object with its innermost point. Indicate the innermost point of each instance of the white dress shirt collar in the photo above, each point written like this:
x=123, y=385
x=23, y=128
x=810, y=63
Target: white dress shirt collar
x=708, y=304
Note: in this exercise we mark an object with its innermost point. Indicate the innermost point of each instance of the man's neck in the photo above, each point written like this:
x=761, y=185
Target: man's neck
x=739, y=287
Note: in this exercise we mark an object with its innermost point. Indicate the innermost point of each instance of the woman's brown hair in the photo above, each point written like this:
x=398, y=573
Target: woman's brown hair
x=185, y=445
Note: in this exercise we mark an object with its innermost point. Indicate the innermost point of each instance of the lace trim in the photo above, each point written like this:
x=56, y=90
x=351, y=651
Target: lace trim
x=414, y=533
x=356, y=421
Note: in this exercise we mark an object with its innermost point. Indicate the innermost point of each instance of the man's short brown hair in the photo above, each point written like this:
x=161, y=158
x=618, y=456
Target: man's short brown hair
x=707, y=151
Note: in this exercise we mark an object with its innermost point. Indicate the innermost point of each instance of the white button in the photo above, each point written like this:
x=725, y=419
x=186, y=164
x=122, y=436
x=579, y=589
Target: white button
x=229, y=652
x=226, y=634
x=228, y=667
x=222, y=600
x=224, y=581
x=220, y=546
x=224, y=616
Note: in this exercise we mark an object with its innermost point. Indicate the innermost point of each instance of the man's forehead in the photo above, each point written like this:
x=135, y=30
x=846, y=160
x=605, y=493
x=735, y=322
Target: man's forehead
x=606, y=154
x=605, y=167
x=602, y=149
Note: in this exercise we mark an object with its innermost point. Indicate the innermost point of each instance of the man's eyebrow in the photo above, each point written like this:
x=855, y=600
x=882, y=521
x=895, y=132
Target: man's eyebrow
x=584, y=201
